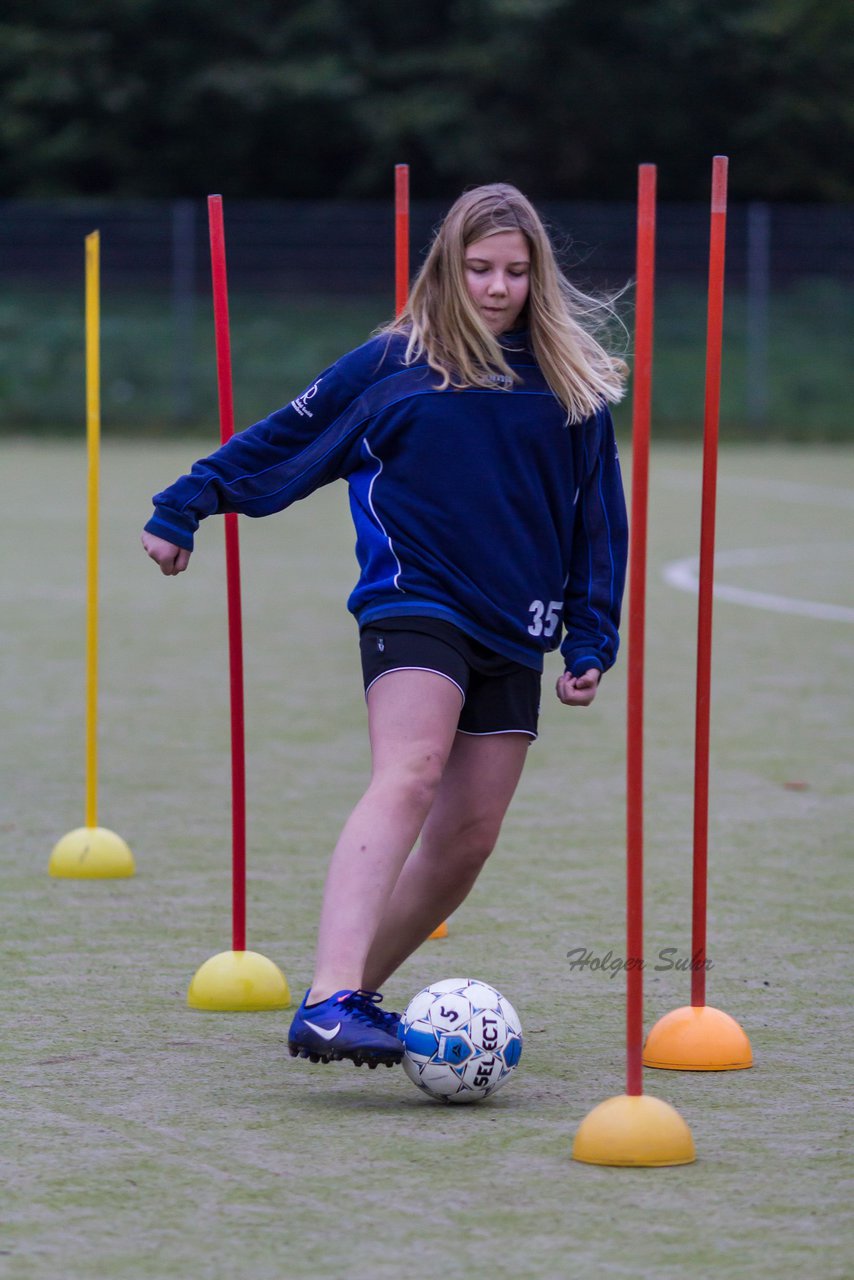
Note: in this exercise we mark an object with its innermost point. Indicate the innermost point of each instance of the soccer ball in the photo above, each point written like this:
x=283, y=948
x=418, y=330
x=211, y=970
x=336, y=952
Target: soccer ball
x=461, y=1040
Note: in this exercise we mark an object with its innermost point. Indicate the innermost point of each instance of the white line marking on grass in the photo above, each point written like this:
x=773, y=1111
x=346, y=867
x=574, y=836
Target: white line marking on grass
x=684, y=576
x=775, y=490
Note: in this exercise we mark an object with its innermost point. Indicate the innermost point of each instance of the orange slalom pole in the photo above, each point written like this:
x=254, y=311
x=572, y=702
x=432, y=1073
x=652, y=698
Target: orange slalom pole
x=401, y=237
x=401, y=294
x=232, y=560
x=714, y=345
x=641, y=414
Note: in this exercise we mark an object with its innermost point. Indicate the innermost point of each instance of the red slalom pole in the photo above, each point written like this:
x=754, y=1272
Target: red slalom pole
x=714, y=345
x=236, y=980
x=401, y=236
x=641, y=414
x=633, y=1129
x=232, y=566
x=697, y=1037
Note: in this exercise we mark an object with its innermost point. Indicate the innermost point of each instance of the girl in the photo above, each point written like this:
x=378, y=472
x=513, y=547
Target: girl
x=485, y=490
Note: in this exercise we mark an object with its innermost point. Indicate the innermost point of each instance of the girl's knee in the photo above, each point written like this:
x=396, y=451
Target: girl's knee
x=464, y=850
x=414, y=781
x=477, y=844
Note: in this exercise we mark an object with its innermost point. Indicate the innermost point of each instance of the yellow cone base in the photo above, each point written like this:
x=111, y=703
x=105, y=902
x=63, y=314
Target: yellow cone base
x=238, y=982
x=440, y=932
x=91, y=853
x=634, y=1132
x=697, y=1039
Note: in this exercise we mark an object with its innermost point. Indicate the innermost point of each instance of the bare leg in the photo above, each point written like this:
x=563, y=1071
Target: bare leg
x=412, y=718
x=458, y=836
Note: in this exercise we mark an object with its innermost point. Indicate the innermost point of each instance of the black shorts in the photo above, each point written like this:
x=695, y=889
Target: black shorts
x=499, y=695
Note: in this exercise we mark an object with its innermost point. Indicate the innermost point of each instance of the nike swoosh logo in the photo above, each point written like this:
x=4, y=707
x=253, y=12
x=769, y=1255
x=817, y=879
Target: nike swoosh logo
x=322, y=1031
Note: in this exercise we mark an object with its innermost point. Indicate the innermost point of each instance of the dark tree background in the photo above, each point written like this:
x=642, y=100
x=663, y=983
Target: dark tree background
x=320, y=98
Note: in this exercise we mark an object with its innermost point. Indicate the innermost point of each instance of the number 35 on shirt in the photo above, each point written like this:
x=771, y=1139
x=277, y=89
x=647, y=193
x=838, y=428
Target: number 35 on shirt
x=545, y=617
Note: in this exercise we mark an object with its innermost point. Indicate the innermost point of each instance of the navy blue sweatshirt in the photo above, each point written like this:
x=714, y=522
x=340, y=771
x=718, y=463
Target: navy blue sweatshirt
x=481, y=507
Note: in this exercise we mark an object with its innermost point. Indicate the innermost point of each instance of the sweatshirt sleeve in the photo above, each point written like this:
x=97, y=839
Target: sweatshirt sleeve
x=597, y=574
x=284, y=457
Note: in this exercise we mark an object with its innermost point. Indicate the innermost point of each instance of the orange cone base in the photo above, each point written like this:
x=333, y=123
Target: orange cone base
x=697, y=1039
x=639, y=1132
x=441, y=932
x=91, y=853
x=238, y=982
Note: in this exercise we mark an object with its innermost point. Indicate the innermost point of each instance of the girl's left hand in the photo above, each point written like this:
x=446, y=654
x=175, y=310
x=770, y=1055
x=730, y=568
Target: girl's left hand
x=578, y=691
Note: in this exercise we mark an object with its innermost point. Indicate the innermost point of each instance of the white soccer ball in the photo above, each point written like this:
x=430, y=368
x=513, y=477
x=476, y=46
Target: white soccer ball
x=461, y=1040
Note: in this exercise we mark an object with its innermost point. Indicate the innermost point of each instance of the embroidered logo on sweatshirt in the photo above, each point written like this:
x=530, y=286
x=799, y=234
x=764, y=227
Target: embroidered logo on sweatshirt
x=300, y=402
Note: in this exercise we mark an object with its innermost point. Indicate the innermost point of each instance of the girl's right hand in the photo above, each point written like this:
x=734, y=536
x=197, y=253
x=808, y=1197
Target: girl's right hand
x=171, y=559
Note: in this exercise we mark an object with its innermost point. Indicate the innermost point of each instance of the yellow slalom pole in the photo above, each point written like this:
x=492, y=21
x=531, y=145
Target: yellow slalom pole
x=93, y=440
x=92, y=852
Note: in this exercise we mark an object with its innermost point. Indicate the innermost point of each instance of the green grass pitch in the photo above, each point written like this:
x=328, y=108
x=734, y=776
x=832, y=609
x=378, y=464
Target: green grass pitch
x=146, y=1141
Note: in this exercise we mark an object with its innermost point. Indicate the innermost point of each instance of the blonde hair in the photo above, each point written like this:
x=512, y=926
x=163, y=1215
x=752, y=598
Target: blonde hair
x=443, y=324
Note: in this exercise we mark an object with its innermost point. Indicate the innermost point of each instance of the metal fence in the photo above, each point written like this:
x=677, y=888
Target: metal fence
x=335, y=247
x=341, y=249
